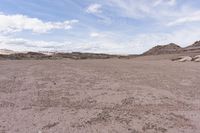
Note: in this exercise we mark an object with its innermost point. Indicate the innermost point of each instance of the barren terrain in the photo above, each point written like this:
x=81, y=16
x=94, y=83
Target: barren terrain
x=142, y=95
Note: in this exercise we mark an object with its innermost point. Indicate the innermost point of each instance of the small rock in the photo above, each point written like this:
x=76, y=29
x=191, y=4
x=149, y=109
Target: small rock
x=197, y=58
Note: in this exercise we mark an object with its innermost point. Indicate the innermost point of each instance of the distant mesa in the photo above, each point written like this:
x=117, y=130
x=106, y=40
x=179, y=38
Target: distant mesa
x=56, y=55
x=171, y=48
x=6, y=52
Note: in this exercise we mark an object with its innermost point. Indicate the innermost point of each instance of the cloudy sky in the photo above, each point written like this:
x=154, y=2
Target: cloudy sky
x=105, y=26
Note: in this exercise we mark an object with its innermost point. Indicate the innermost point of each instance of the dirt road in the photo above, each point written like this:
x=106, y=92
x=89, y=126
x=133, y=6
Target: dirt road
x=99, y=96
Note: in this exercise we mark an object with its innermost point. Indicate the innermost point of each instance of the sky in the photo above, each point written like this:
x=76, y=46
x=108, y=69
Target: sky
x=98, y=26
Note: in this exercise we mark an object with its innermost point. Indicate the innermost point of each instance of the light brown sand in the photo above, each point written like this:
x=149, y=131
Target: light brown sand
x=99, y=96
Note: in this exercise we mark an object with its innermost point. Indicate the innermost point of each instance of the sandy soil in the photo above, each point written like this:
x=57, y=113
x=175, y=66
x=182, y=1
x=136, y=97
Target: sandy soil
x=99, y=96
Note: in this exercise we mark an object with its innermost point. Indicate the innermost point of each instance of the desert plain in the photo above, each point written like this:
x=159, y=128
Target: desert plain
x=141, y=95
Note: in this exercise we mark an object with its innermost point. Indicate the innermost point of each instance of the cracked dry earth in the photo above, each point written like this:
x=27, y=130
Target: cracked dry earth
x=99, y=96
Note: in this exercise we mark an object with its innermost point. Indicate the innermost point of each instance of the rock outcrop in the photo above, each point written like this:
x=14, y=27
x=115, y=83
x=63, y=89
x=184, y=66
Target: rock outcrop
x=185, y=59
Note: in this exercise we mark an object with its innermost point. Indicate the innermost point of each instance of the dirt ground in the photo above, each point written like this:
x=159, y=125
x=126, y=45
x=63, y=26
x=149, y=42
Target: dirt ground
x=99, y=96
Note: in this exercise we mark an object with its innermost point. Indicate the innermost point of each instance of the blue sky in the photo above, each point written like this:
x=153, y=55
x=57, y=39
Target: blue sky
x=102, y=26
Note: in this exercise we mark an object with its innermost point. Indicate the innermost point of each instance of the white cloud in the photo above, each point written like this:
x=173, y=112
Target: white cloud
x=107, y=42
x=194, y=17
x=19, y=44
x=94, y=8
x=104, y=44
x=162, y=12
x=17, y=23
x=161, y=2
x=171, y=2
x=95, y=34
x=157, y=9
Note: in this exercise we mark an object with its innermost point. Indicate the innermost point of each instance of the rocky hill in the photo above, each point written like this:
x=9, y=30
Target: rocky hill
x=164, y=49
x=196, y=44
x=194, y=48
